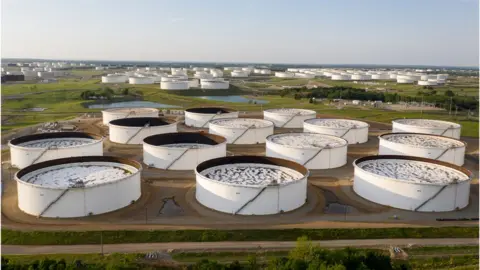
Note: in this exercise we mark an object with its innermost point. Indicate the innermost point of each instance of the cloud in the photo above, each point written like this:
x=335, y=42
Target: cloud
x=176, y=20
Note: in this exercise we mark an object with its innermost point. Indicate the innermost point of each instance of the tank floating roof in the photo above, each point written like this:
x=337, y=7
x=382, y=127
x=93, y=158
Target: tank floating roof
x=413, y=169
x=141, y=121
x=288, y=111
x=184, y=138
x=210, y=110
x=422, y=140
x=128, y=110
x=307, y=140
x=336, y=123
x=241, y=123
x=253, y=171
x=54, y=136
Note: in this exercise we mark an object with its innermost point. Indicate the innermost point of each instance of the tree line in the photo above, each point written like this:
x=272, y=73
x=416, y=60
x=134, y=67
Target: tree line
x=350, y=93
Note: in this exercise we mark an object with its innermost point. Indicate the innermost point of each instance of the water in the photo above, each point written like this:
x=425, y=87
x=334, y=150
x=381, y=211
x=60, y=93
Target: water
x=131, y=104
x=235, y=99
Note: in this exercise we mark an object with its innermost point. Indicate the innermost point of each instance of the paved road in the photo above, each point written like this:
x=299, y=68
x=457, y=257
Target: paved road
x=218, y=246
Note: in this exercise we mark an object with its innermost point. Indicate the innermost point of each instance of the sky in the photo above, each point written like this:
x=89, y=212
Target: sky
x=397, y=32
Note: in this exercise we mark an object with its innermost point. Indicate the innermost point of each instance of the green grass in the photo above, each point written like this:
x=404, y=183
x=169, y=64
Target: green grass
x=10, y=237
x=454, y=262
x=441, y=250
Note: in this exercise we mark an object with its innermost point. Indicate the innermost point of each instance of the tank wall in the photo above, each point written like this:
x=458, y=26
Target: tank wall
x=409, y=196
x=454, y=155
x=229, y=199
x=201, y=120
x=109, y=116
x=453, y=132
x=209, y=85
x=121, y=134
x=252, y=136
x=279, y=120
x=79, y=202
x=174, y=85
x=353, y=136
x=161, y=157
x=22, y=157
x=326, y=159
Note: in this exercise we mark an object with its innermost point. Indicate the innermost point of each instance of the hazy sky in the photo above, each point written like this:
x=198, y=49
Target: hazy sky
x=430, y=32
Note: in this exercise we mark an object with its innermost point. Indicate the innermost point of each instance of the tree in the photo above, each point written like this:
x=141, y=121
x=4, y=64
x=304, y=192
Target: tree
x=449, y=93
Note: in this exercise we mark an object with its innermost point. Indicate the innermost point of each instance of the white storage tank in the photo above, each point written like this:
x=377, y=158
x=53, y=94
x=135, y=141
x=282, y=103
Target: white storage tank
x=401, y=79
x=114, y=78
x=312, y=150
x=427, y=126
x=304, y=75
x=430, y=82
x=199, y=117
x=242, y=130
x=78, y=186
x=380, y=76
x=412, y=183
x=134, y=130
x=214, y=84
x=351, y=130
x=140, y=80
x=45, y=74
x=339, y=77
x=35, y=148
x=361, y=77
x=251, y=185
x=284, y=74
x=239, y=73
x=29, y=73
x=423, y=145
x=118, y=113
x=182, y=150
x=193, y=83
x=288, y=118
x=174, y=85
x=265, y=72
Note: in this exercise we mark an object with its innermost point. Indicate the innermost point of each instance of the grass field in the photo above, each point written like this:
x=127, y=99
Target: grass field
x=11, y=237
x=62, y=101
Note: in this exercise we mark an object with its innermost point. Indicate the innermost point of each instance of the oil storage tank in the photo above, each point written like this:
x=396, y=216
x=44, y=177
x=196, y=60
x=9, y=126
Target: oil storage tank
x=134, y=130
x=118, y=113
x=78, y=186
x=312, y=150
x=114, y=78
x=199, y=117
x=175, y=85
x=288, y=118
x=242, y=130
x=412, y=183
x=427, y=126
x=35, y=148
x=423, y=145
x=214, y=84
x=182, y=150
x=351, y=130
x=251, y=185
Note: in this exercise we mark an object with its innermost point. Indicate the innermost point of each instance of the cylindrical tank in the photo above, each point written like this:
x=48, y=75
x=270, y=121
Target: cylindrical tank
x=412, y=183
x=288, y=118
x=78, y=186
x=134, y=130
x=423, y=145
x=35, y=148
x=304, y=75
x=114, y=78
x=174, y=85
x=238, y=73
x=118, y=113
x=430, y=83
x=380, y=76
x=29, y=73
x=361, y=77
x=182, y=150
x=242, y=130
x=45, y=74
x=251, y=185
x=140, y=80
x=284, y=74
x=339, y=77
x=193, y=83
x=199, y=117
x=214, y=84
x=404, y=80
x=427, y=126
x=351, y=130
x=312, y=150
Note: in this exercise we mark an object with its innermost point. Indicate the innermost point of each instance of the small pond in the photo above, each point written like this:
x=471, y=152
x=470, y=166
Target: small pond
x=235, y=99
x=131, y=104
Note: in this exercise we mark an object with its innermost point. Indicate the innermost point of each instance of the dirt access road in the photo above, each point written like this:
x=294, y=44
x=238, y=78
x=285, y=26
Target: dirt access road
x=228, y=246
